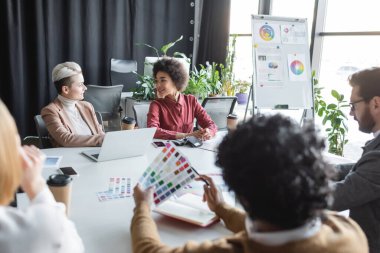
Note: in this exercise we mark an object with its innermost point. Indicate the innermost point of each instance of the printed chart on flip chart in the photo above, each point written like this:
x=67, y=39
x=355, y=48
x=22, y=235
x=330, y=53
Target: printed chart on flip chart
x=168, y=173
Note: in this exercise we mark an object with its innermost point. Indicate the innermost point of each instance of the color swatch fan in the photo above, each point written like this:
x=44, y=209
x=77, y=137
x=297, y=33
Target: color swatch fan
x=168, y=172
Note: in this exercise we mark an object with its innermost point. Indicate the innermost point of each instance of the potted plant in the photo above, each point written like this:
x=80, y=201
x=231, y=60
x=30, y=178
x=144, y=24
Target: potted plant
x=213, y=79
x=198, y=83
x=242, y=88
x=145, y=89
x=331, y=114
x=205, y=81
x=149, y=61
x=227, y=75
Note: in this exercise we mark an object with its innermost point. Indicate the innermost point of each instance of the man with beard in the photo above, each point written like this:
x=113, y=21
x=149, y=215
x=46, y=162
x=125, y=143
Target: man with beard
x=359, y=187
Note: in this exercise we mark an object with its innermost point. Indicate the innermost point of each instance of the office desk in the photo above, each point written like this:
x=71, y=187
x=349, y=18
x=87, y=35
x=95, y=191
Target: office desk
x=105, y=226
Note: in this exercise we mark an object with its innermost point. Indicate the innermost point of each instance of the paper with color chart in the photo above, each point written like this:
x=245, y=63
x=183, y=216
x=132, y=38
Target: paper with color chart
x=118, y=188
x=269, y=66
x=297, y=67
x=266, y=33
x=168, y=172
x=293, y=34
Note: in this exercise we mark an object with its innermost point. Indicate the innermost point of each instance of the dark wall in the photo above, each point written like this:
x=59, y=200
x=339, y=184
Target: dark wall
x=38, y=34
x=160, y=22
x=214, y=31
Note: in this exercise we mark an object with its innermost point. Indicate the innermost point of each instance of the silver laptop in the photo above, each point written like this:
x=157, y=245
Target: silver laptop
x=122, y=144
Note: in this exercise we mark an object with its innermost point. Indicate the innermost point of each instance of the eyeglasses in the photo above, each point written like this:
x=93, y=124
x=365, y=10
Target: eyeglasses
x=352, y=104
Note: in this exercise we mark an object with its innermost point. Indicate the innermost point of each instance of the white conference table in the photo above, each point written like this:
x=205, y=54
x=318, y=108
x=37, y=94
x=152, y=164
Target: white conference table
x=105, y=226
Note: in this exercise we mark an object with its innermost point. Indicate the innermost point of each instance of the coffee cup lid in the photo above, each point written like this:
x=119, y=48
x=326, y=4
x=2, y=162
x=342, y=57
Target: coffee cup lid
x=232, y=116
x=59, y=180
x=128, y=120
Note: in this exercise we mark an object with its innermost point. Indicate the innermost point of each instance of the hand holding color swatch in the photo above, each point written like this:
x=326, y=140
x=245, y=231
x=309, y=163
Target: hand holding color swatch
x=168, y=173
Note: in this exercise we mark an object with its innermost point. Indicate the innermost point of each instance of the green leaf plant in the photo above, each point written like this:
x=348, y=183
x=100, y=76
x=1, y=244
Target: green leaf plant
x=205, y=81
x=227, y=70
x=213, y=79
x=242, y=86
x=165, y=48
x=145, y=89
x=332, y=116
x=198, y=83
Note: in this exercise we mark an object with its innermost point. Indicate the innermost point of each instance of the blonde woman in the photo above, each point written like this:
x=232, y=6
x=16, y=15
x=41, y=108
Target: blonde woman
x=43, y=226
x=70, y=121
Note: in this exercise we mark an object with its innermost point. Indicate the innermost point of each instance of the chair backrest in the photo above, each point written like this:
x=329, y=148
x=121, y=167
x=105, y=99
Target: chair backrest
x=121, y=72
x=42, y=132
x=106, y=101
x=32, y=140
x=218, y=108
x=141, y=112
x=99, y=118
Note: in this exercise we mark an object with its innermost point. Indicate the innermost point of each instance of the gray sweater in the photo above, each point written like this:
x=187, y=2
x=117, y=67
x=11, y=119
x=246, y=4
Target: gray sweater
x=359, y=191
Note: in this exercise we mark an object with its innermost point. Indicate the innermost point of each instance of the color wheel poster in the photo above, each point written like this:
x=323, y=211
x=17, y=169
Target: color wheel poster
x=297, y=67
x=269, y=66
x=266, y=33
x=293, y=34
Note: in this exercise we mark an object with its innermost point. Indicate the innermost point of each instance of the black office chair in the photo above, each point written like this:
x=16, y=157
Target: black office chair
x=106, y=101
x=218, y=108
x=121, y=72
x=42, y=132
x=32, y=140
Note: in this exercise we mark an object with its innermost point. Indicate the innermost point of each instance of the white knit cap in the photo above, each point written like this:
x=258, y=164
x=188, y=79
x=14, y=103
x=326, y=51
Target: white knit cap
x=64, y=70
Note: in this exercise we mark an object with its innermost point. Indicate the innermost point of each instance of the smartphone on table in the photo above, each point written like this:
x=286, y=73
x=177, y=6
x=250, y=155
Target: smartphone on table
x=68, y=171
x=158, y=144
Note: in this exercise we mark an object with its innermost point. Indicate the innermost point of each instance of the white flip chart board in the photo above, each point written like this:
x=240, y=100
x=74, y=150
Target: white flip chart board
x=281, y=63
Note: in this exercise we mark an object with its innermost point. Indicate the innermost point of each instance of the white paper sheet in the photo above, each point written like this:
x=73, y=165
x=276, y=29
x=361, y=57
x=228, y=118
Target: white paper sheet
x=296, y=67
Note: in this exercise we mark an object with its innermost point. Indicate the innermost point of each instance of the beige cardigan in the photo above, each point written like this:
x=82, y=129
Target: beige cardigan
x=62, y=132
x=337, y=235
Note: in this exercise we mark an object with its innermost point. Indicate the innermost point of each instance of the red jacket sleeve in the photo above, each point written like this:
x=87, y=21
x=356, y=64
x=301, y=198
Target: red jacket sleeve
x=154, y=121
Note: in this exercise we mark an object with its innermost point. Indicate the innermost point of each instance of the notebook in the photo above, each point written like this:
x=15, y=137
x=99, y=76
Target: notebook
x=122, y=144
x=188, y=207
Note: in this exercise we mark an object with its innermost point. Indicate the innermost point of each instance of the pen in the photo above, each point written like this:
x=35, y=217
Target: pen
x=196, y=172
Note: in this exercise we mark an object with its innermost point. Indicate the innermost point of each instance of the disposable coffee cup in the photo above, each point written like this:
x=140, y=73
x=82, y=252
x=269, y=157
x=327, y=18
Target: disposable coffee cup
x=232, y=121
x=128, y=123
x=60, y=186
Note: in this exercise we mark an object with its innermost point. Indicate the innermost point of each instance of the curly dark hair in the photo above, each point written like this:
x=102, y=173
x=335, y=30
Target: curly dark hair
x=175, y=70
x=276, y=169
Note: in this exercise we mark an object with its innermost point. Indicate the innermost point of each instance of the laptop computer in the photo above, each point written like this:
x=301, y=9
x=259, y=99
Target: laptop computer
x=122, y=144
